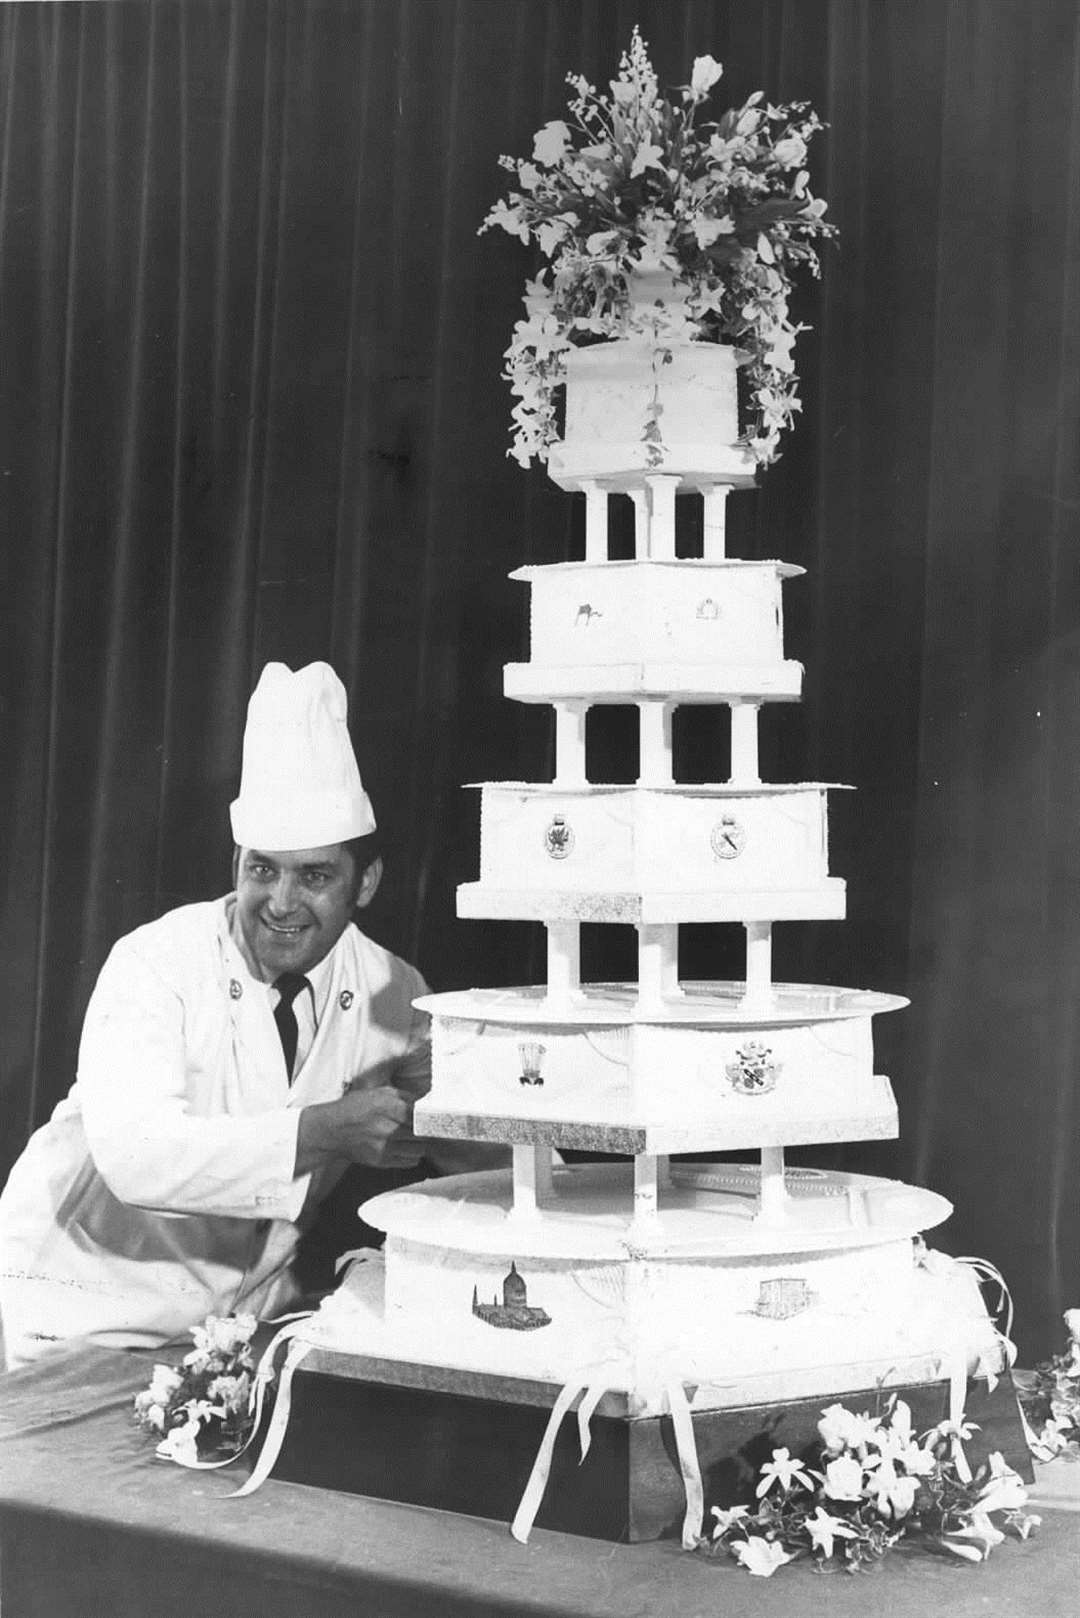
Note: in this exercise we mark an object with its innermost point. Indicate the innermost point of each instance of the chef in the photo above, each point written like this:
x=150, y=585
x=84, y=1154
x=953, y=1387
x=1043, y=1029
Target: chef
x=236, y=1057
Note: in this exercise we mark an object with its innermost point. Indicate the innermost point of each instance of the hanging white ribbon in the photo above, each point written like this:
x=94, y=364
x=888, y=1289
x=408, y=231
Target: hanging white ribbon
x=590, y=1393
x=298, y=1350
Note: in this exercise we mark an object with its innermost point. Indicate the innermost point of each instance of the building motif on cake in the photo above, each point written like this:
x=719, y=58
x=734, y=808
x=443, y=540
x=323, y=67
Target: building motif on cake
x=783, y=1297
x=515, y=1313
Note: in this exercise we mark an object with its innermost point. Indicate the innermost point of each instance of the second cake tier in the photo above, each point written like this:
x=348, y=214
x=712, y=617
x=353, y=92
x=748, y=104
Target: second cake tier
x=664, y=854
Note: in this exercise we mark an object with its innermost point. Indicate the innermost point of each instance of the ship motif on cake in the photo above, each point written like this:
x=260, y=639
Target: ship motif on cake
x=782, y=1297
x=515, y=1313
x=753, y=1072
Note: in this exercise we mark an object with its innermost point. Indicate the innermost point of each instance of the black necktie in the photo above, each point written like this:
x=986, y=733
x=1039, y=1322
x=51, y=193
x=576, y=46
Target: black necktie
x=288, y=986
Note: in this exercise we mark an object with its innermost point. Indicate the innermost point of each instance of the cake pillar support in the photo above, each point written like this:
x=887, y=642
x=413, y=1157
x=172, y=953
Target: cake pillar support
x=596, y=522
x=563, y=961
x=662, y=516
x=532, y=1178
x=641, y=522
x=772, y=1204
x=646, y=1187
x=758, y=994
x=715, y=495
x=658, y=965
x=744, y=742
x=654, y=733
x=570, y=744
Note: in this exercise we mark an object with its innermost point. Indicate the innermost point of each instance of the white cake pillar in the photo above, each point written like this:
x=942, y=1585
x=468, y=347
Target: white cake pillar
x=570, y=743
x=596, y=522
x=773, y=1202
x=646, y=1188
x=641, y=522
x=715, y=495
x=759, y=992
x=658, y=965
x=563, y=962
x=661, y=489
x=744, y=743
x=532, y=1178
x=654, y=738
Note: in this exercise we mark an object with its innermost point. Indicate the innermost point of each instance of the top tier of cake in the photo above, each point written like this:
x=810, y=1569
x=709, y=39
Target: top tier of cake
x=639, y=406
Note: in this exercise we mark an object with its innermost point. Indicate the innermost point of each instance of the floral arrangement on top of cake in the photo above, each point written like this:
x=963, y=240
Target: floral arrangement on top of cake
x=717, y=214
x=875, y=1483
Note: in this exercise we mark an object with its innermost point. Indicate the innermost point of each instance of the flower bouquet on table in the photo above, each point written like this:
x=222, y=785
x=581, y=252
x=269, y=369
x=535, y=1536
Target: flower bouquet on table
x=203, y=1409
x=874, y=1485
x=712, y=217
x=1050, y=1398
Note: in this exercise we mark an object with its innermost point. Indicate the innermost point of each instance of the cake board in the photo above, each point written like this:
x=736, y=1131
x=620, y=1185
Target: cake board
x=466, y=1442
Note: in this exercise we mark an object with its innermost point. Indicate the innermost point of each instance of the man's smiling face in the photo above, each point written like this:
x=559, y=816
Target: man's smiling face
x=293, y=905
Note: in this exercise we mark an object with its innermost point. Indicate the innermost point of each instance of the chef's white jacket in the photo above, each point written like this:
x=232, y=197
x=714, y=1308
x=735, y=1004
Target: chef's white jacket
x=162, y=1188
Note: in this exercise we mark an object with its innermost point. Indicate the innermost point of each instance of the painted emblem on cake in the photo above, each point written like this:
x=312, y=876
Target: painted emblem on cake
x=753, y=1072
x=585, y=615
x=708, y=608
x=783, y=1296
x=532, y=1055
x=515, y=1313
x=558, y=838
x=728, y=838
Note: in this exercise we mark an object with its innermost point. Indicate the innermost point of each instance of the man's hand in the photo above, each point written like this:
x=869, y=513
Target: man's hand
x=365, y=1126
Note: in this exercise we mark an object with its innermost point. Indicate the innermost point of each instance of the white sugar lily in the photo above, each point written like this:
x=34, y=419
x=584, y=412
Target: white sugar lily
x=1004, y=1490
x=728, y=1518
x=707, y=70
x=824, y=1529
x=978, y=1534
x=761, y=1556
x=180, y=1444
x=784, y=1469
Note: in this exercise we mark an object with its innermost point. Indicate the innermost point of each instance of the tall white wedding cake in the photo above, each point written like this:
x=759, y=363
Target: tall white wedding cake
x=676, y=1281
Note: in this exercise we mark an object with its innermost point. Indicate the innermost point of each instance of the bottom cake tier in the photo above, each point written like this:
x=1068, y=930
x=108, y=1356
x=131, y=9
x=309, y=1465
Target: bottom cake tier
x=705, y=1295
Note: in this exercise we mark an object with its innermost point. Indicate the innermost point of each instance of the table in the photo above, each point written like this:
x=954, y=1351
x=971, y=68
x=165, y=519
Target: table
x=92, y=1523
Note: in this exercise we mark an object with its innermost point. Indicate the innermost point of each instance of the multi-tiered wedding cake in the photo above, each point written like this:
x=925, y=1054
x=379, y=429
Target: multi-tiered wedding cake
x=682, y=1285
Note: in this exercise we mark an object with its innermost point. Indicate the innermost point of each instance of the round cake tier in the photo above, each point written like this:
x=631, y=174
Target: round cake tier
x=712, y=842
x=640, y=405
x=709, y=1298
x=709, y=1209
x=703, y=1072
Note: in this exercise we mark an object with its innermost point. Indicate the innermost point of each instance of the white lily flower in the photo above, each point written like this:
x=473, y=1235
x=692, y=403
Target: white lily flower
x=761, y=1556
x=705, y=74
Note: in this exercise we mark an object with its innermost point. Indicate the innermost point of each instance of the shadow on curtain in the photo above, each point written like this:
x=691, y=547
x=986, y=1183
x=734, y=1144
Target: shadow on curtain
x=249, y=409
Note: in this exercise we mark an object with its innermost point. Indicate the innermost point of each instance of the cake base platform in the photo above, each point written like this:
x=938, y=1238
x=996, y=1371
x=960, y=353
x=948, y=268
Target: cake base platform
x=466, y=1443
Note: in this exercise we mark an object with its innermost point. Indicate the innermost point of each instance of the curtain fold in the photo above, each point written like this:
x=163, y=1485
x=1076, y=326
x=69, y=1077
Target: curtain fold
x=250, y=408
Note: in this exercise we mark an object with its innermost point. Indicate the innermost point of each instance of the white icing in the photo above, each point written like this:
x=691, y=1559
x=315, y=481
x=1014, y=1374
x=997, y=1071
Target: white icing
x=641, y=839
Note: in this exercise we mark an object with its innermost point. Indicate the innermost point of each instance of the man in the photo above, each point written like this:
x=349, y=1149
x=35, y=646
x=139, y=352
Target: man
x=236, y=1056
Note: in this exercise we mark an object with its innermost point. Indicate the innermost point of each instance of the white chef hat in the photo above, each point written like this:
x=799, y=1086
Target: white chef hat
x=300, y=786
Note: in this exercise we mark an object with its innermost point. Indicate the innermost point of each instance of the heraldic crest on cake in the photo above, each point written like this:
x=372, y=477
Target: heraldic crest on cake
x=729, y=1282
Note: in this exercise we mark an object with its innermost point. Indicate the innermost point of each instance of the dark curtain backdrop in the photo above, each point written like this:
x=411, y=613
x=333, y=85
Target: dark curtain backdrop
x=250, y=409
